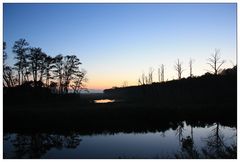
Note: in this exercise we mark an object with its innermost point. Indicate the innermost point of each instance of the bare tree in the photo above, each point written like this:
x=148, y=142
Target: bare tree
x=162, y=73
x=141, y=80
x=215, y=62
x=179, y=69
x=150, y=75
x=125, y=84
x=146, y=80
x=190, y=67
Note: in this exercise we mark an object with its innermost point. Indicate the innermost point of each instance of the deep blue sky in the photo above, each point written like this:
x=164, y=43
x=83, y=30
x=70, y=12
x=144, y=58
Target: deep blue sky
x=117, y=42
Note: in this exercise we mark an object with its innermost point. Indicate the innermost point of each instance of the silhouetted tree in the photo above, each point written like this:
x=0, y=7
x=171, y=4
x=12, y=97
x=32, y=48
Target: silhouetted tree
x=70, y=69
x=230, y=71
x=4, y=52
x=142, y=80
x=42, y=65
x=162, y=73
x=146, y=79
x=66, y=69
x=215, y=62
x=150, y=75
x=53, y=87
x=139, y=81
x=34, y=61
x=7, y=70
x=78, y=82
x=190, y=67
x=48, y=67
x=21, y=48
x=58, y=70
x=8, y=76
x=179, y=69
x=125, y=84
x=4, y=66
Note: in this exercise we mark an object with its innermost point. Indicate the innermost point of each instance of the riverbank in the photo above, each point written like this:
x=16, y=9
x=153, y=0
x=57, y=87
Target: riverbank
x=208, y=98
x=111, y=117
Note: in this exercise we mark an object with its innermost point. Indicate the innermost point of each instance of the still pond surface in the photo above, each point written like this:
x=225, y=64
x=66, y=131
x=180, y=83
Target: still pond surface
x=104, y=101
x=183, y=142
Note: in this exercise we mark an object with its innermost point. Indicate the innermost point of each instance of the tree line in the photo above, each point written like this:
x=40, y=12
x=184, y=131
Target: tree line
x=36, y=68
x=214, y=61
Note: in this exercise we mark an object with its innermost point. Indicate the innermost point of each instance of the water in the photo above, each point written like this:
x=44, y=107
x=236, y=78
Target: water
x=104, y=101
x=167, y=144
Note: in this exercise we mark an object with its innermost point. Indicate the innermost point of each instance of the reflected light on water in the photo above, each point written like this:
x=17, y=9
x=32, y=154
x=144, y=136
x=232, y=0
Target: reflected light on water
x=200, y=141
x=104, y=101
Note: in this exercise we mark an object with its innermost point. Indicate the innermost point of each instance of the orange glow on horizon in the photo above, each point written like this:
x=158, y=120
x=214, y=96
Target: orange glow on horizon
x=100, y=87
x=106, y=85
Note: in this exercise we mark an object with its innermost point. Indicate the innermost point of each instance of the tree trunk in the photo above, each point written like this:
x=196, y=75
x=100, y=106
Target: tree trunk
x=19, y=82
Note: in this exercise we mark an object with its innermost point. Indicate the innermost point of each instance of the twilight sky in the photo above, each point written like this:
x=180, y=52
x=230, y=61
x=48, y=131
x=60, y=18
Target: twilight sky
x=118, y=42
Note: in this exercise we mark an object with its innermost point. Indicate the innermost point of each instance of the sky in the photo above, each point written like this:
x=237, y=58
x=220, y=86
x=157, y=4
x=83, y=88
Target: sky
x=116, y=43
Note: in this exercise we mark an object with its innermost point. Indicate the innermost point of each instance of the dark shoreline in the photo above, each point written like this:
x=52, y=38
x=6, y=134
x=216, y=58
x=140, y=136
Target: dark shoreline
x=208, y=99
x=113, y=117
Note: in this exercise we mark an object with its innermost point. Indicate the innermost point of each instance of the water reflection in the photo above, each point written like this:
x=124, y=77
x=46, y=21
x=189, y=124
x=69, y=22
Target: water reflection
x=36, y=145
x=104, y=101
x=188, y=149
x=182, y=141
x=179, y=131
x=216, y=146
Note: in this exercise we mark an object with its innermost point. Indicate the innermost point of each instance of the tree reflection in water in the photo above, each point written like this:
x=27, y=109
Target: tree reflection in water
x=36, y=145
x=215, y=146
x=188, y=150
x=179, y=131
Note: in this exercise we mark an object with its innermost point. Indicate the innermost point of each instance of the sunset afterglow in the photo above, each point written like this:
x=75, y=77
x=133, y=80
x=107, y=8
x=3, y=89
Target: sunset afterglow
x=117, y=43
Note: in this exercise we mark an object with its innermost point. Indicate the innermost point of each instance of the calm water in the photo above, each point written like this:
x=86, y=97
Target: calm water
x=168, y=144
x=104, y=101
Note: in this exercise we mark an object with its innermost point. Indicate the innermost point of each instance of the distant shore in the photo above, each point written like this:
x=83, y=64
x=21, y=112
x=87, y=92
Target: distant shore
x=207, y=99
x=112, y=117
